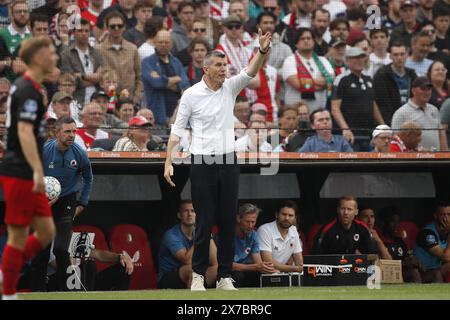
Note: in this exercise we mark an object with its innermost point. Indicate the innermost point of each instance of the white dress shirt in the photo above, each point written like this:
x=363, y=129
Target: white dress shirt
x=210, y=115
x=270, y=240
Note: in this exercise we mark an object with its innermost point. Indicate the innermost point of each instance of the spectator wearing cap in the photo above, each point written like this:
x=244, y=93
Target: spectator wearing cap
x=381, y=138
x=247, y=264
x=353, y=105
x=67, y=83
x=324, y=140
x=255, y=139
x=267, y=88
x=164, y=79
x=180, y=31
x=137, y=136
x=392, y=83
x=408, y=138
x=336, y=56
x=92, y=117
x=308, y=76
x=202, y=10
x=392, y=19
x=409, y=26
x=151, y=28
x=61, y=104
x=379, y=40
x=198, y=48
x=122, y=56
x=319, y=25
x=418, y=109
x=84, y=62
x=364, y=45
x=420, y=48
x=279, y=51
x=109, y=120
x=143, y=11
x=231, y=43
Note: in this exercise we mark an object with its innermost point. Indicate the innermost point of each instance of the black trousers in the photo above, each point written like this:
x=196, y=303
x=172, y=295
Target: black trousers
x=214, y=191
x=63, y=212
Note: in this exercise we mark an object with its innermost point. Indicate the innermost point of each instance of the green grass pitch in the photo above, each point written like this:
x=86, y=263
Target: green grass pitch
x=386, y=292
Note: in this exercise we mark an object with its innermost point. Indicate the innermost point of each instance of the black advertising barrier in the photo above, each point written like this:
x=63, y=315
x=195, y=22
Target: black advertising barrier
x=335, y=270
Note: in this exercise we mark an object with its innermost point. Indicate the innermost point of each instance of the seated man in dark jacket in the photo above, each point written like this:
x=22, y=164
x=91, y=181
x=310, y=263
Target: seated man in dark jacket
x=345, y=234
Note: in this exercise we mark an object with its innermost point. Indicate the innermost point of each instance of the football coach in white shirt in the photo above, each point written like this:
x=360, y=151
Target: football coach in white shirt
x=208, y=108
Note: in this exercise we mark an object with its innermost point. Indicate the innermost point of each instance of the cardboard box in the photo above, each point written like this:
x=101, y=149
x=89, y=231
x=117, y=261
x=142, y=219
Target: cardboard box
x=391, y=271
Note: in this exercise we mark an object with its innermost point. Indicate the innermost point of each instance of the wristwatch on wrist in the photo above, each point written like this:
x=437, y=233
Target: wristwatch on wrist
x=262, y=52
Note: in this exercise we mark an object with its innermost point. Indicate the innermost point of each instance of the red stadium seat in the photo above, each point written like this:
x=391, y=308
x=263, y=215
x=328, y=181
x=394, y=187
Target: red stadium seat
x=411, y=233
x=133, y=240
x=99, y=242
x=312, y=234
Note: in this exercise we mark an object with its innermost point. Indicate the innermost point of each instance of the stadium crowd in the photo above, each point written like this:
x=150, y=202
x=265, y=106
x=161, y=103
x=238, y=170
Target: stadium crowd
x=336, y=79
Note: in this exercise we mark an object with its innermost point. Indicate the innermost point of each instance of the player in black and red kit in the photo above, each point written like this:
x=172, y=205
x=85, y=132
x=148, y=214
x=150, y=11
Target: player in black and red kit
x=21, y=173
x=345, y=234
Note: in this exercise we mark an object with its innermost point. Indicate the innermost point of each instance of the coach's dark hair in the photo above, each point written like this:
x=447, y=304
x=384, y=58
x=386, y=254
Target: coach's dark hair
x=63, y=120
x=288, y=204
x=311, y=116
x=31, y=46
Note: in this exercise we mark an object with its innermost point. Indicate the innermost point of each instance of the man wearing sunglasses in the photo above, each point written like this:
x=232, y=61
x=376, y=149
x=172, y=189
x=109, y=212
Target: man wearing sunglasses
x=122, y=56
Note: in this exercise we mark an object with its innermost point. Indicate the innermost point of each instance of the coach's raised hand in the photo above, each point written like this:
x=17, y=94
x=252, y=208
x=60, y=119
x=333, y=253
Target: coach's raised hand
x=260, y=57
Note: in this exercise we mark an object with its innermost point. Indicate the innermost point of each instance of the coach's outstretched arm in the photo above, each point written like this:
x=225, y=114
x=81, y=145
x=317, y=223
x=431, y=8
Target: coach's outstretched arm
x=258, y=60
